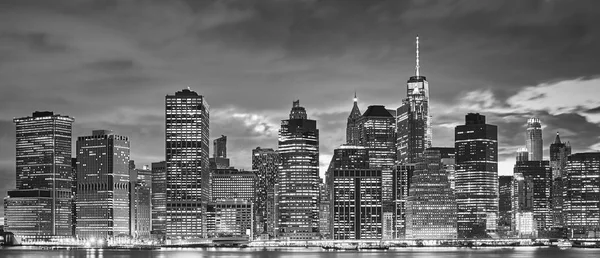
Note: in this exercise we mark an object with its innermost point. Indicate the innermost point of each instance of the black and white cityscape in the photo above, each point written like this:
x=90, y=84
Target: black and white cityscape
x=332, y=124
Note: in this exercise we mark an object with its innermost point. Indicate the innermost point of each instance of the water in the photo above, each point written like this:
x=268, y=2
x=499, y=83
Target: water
x=23, y=252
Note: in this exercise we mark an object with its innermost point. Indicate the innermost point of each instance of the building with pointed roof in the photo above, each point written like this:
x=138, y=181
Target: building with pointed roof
x=352, y=128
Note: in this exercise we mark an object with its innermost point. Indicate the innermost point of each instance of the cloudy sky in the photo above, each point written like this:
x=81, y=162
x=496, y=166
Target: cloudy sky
x=110, y=64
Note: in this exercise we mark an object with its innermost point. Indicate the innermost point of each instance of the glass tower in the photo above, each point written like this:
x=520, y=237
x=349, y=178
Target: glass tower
x=159, y=198
x=534, y=139
x=298, y=181
x=265, y=163
x=187, y=165
x=582, y=196
x=41, y=205
x=476, y=145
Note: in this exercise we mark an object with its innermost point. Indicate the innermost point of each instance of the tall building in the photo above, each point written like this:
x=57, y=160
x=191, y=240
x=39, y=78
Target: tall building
x=230, y=218
x=159, y=198
x=352, y=126
x=505, y=187
x=582, y=196
x=219, y=159
x=324, y=212
x=559, y=151
x=41, y=205
x=232, y=183
x=187, y=128
x=476, y=145
x=140, y=204
x=402, y=182
x=378, y=136
x=431, y=204
x=413, y=119
x=523, y=223
x=297, y=189
x=534, y=139
x=102, y=186
x=540, y=174
x=265, y=163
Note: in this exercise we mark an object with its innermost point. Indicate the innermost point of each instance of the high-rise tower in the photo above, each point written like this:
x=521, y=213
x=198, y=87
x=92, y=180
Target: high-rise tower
x=352, y=127
x=534, y=139
x=559, y=153
x=298, y=181
x=476, y=145
x=187, y=165
x=41, y=205
x=265, y=163
x=413, y=119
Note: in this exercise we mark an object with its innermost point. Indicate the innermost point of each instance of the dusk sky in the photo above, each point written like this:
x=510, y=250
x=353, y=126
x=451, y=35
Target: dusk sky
x=109, y=64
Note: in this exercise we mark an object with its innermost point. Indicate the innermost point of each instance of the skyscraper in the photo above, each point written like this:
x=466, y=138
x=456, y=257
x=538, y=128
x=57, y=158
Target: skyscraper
x=219, y=159
x=403, y=174
x=378, y=136
x=187, y=165
x=431, y=204
x=534, y=139
x=159, y=199
x=41, y=205
x=559, y=152
x=476, y=145
x=505, y=187
x=140, y=201
x=298, y=181
x=582, y=196
x=232, y=183
x=352, y=126
x=523, y=223
x=103, y=185
x=265, y=163
x=540, y=174
x=413, y=119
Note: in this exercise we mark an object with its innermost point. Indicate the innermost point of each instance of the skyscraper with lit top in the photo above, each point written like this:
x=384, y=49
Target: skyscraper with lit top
x=534, y=139
x=352, y=126
x=187, y=165
x=298, y=181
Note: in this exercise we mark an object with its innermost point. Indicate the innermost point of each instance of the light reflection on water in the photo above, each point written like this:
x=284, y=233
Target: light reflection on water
x=520, y=252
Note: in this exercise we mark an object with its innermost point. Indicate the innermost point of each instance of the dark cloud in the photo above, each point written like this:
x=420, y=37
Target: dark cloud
x=593, y=110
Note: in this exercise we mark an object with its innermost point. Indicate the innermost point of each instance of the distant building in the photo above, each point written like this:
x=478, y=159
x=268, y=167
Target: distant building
x=159, y=199
x=40, y=207
x=505, y=188
x=540, y=174
x=559, y=151
x=187, y=165
x=232, y=183
x=219, y=159
x=523, y=223
x=476, y=145
x=230, y=218
x=297, y=189
x=534, y=139
x=140, y=204
x=352, y=126
x=582, y=195
x=265, y=163
x=103, y=186
x=402, y=182
x=324, y=212
x=431, y=204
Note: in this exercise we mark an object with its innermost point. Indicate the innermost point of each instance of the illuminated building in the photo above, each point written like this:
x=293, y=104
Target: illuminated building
x=297, y=189
x=187, y=165
x=413, y=119
x=581, y=194
x=378, y=137
x=525, y=224
x=102, y=186
x=159, y=198
x=534, y=139
x=540, y=174
x=559, y=151
x=232, y=183
x=352, y=126
x=219, y=159
x=324, y=212
x=402, y=182
x=230, y=218
x=431, y=204
x=505, y=188
x=41, y=205
x=523, y=205
x=476, y=145
x=265, y=163
x=140, y=201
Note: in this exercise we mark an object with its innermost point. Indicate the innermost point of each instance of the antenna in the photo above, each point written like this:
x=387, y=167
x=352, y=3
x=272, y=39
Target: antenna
x=417, y=67
x=355, y=98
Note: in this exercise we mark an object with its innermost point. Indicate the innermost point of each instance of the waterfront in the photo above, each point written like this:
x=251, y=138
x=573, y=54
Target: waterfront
x=544, y=252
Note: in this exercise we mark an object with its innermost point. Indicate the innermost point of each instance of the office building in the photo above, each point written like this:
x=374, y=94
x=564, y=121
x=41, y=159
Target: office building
x=582, y=195
x=187, y=165
x=505, y=188
x=297, y=189
x=232, y=183
x=265, y=163
x=324, y=212
x=402, y=182
x=140, y=204
x=230, y=218
x=159, y=199
x=413, y=119
x=219, y=159
x=40, y=207
x=352, y=126
x=103, y=186
x=534, y=139
x=559, y=151
x=540, y=174
x=523, y=222
x=431, y=204
x=476, y=145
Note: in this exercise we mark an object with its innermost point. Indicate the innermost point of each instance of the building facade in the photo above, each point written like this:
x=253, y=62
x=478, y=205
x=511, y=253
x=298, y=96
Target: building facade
x=265, y=163
x=103, y=186
x=297, y=189
x=219, y=159
x=159, y=199
x=431, y=204
x=505, y=188
x=187, y=165
x=476, y=145
x=582, y=196
x=230, y=218
x=140, y=202
x=41, y=205
x=232, y=183
x=534, y=142
x=540, y=175
x=559, y=151
x=352, y=126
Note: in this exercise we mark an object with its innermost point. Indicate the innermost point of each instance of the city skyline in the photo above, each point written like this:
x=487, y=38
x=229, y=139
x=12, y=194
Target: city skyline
x=120, y=82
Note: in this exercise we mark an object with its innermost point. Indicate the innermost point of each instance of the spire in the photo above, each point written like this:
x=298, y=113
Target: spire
x=417, y=67
x=557, y=139
x=355, y=98
x=355, y=113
